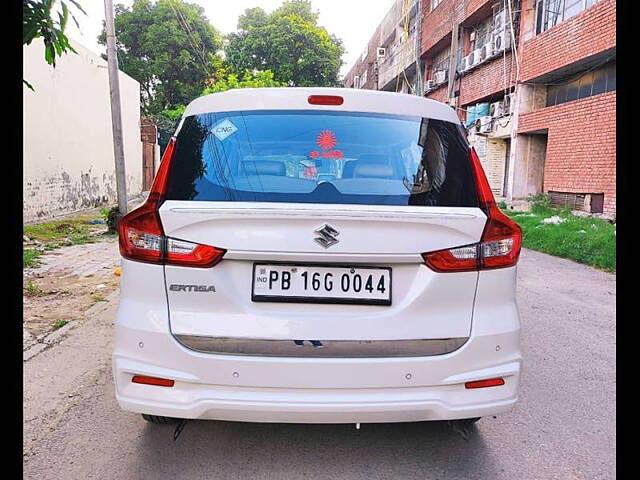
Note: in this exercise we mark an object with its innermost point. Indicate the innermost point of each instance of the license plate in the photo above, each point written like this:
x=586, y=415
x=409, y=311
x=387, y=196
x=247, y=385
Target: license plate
x=319, y=284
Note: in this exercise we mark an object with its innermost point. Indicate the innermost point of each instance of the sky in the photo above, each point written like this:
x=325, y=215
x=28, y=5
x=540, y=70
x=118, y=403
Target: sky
x=354, y=21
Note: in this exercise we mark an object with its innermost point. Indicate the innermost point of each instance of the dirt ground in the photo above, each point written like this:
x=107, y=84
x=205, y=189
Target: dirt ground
x=71, y=280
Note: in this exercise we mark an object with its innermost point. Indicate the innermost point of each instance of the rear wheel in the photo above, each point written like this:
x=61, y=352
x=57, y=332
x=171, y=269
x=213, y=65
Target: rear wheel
x=155, y=419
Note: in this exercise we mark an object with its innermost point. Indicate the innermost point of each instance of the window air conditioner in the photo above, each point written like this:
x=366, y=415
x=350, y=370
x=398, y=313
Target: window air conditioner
x=485, y=124
x=496, y=109
x=499, y=20
x=477, y=60
x=501, y=41
x=440, y=77
x=468, y=62
x=486, y=52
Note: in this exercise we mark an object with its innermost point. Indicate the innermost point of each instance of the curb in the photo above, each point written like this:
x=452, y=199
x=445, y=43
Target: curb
x=45, y=341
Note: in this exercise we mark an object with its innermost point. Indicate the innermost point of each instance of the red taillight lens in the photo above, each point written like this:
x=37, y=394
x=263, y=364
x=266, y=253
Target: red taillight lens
x=160, y=382
x=142, y=238
x=499, y=245
x=325, y=100
x=189, y=254
x=491, y=382
x=140, y=234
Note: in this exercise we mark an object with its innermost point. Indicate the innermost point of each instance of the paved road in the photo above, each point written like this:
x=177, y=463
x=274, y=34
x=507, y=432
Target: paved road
x=563, y=427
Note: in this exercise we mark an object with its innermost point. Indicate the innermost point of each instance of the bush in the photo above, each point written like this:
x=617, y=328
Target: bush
x=540, y=202
x=110, y=216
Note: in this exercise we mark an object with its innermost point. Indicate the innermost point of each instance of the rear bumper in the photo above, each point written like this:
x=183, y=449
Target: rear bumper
x=317, y=390
x=198, y=401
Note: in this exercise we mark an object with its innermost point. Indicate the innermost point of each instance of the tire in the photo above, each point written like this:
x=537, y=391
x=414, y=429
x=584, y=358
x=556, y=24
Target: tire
x=157, y=420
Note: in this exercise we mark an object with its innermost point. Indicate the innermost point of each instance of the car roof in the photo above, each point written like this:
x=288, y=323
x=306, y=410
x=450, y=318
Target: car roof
x=296, y=98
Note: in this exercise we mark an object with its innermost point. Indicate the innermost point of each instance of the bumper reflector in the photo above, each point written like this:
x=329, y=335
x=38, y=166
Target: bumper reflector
x=492, y=382
x=160, y=382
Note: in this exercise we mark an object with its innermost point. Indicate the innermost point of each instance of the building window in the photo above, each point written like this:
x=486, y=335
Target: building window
x=551, y=12
x=483, y=33
x=591, y=83
x=363, y=79
x=435, y=3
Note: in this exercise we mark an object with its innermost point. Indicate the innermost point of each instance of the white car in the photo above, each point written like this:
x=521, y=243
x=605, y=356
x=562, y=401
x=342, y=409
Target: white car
x=318, y=255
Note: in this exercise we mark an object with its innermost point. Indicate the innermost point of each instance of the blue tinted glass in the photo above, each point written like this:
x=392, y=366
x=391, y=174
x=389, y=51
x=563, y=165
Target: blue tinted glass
x=318, y=157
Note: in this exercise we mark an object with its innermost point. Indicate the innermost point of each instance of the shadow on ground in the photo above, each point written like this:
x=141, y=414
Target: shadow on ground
x=398, y=450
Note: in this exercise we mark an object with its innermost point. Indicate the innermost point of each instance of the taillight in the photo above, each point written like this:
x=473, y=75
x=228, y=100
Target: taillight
x=142, y=237
x=499, y=245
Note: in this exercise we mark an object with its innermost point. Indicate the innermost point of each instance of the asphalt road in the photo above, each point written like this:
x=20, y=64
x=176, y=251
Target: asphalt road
x=562, y=428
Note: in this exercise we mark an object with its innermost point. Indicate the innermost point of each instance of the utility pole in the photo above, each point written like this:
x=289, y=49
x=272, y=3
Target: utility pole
x=452, y=61
x=116, y=114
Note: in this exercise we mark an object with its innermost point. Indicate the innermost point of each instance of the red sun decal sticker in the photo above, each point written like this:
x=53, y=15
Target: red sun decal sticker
x=326, y=140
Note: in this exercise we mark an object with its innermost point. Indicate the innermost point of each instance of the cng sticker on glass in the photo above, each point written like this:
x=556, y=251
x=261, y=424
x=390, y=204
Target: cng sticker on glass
x=223, y=129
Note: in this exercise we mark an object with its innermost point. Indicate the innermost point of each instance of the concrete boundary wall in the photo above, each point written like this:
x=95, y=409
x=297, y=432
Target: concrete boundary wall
x=67, y=137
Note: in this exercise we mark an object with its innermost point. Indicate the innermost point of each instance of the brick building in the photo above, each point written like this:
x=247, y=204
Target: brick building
x=534, y=82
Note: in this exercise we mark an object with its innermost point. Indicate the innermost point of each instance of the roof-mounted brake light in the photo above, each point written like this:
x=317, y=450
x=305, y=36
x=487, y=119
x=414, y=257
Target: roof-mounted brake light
x=325, y=100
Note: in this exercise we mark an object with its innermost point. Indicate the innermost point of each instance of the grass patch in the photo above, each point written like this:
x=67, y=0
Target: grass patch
x=56, y=234
x=30, y=257
x=586, y=240
x=71, y=231
x=60, y=323
x=32, y=289
x=98, y=298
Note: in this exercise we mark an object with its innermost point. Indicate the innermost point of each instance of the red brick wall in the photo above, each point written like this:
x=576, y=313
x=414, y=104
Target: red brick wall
x=581, y=147
x=440, y=94
x=589, y=32
x=436, y=24
x=487, y=79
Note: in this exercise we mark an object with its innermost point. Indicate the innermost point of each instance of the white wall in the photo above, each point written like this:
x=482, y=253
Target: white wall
x=68, y=144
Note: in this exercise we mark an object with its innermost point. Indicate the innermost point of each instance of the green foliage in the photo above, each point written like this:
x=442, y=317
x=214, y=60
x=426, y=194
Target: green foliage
x=540, y=202
x=249, y=80
x=168, y=46
x=59, y=324
x=38, y=22
x=30, y=257
x=502, y=205
x=289, y=43
x=110, y=216
x=167, y=119
x=32, y=289
x=174, y=114
x=583, y=239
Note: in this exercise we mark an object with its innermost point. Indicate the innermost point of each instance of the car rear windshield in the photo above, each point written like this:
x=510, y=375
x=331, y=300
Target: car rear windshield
x=321, y=157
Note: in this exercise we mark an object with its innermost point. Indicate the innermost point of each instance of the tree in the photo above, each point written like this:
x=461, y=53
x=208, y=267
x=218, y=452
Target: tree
x=249, y=80
x=38, y=22
x=169, y=47
x=289, y=43
x=168, y=119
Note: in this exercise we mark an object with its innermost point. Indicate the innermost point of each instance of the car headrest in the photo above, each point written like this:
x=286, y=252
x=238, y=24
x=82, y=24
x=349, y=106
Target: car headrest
x=347, y=171
x=372, y=170
x=263, y=167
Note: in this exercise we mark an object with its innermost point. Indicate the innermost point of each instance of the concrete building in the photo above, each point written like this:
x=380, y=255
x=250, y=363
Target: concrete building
x=391, y=61
x=68, y=147
x=534, y=81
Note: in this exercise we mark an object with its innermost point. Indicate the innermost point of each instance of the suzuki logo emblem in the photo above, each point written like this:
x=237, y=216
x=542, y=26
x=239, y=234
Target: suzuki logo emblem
x=327, y=236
